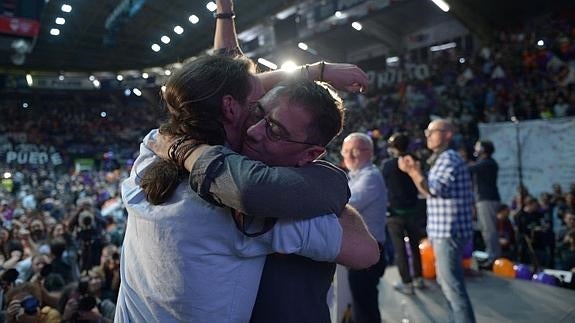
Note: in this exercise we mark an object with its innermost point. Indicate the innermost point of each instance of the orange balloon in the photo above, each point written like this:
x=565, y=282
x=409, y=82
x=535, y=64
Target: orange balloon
x=427, y=259
x=466, y=263
x=503, y=267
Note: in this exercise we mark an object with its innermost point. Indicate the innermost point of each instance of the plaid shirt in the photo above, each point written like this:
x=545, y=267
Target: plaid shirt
x=450, y=206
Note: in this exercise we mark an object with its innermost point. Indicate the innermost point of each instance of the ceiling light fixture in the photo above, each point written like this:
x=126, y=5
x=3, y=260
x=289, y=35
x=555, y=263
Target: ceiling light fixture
x=194, y=19
x=442, y=5
x=165, y=39
x=156, y=47
x=60, y=21
x=267, y=63
x=66, y=8
x=211, y=6
x=54, y=31
x=178, y=30
x=356, y=25
x=443, y=47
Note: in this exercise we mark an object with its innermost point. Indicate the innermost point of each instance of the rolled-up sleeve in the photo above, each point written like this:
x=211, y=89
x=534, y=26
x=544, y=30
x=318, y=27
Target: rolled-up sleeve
x=224, y=177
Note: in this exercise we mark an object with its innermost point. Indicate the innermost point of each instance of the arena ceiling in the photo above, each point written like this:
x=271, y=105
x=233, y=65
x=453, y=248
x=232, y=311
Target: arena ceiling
x=84, y=43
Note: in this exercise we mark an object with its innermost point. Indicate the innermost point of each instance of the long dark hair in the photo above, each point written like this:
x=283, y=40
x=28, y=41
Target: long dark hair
x=193, y=98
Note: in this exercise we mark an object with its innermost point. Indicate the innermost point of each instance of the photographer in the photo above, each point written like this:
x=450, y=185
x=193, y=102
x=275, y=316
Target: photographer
x=25, y=305
x=81, y=302
x=88, y=227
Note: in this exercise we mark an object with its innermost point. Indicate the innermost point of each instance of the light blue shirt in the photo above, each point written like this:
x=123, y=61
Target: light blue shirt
x=185, y=261
x=369, y=197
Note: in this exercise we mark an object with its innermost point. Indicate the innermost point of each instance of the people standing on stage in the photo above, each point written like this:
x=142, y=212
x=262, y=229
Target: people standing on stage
x=369, y=197
x=449, y=193
x=403, y=217
x=487, y=200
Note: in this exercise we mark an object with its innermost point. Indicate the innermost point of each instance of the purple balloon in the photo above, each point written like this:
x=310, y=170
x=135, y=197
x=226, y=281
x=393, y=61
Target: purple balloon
x=468, y=250
x=522, y=272
x=544, y=278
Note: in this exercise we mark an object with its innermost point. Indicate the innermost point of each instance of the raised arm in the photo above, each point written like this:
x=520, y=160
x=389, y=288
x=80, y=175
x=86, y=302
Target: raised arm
x=343, y=77
x=225, y=37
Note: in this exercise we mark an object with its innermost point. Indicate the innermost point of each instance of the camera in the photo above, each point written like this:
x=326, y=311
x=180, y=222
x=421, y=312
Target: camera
x=86, y=220
x=86, y=302
x=30, y=305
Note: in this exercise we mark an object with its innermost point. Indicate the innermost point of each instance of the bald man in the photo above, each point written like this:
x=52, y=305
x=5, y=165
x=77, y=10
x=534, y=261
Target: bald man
x=449, y=193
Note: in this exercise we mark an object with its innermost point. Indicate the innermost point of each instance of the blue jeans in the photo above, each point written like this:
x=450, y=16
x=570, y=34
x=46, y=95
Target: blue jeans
x=449, y=269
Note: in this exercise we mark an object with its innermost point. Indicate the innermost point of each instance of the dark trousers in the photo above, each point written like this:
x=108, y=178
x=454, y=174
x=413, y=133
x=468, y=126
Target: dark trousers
x=400, y=226
x=363, y=285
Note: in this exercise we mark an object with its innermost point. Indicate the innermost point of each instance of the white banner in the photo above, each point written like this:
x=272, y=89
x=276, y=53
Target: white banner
x=547, y=154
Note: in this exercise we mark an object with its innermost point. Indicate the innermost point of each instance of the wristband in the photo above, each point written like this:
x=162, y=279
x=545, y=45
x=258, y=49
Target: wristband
x=225, y=15
x=321, y=69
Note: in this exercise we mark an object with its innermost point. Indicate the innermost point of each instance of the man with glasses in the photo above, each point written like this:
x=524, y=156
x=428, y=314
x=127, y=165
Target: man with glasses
x=290, y=126
x=449, y=193
x=369, y=197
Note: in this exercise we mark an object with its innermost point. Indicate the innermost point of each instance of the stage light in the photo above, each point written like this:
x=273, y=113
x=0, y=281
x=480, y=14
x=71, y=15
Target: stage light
x=356, y=25
x=267, y=63
x=66, y=8
x=127, y=92
x=91, y=78
x=168, y=72
x=60, y=21
x=462, y=60
x=119, y=77
x=178, y=30
x=156, y=47
x=540, y=43
x=442, y=5
x=194, y=19
x=145, y=75
x=61, y=77
x=29, y=79
x=103, y=114
x=165, y=39
x=338, y=14
x=289, y=66
x=137, y=91
x=7, y=175
x=392, y=60
x=163, y=88
x=96, y=84
x=25, y=105
x=211, y=6
x=443, y=47
x=302, y=46
x=54, y=31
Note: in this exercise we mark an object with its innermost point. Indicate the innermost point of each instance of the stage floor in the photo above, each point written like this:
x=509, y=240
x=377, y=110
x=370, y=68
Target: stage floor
x=494, y=300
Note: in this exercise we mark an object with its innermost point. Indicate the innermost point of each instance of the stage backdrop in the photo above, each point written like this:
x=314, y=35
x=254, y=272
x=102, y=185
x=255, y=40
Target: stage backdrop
x=547, y=154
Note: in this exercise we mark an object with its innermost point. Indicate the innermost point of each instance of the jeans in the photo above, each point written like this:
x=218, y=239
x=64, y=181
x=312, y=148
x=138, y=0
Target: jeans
x=487, y=219
x=449, y=269
x=363, y=286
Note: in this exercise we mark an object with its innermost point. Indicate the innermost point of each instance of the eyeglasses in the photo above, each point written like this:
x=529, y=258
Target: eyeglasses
x=256, y=113
x=354, y=151
x=429, y=132
x=276, y=132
